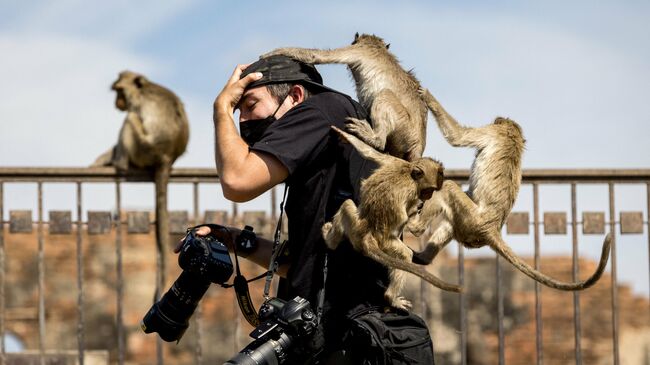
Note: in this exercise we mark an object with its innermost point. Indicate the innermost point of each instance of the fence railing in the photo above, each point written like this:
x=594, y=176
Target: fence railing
x=138, y=222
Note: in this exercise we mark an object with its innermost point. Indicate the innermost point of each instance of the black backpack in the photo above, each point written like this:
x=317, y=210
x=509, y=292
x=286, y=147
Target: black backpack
x=396, y=337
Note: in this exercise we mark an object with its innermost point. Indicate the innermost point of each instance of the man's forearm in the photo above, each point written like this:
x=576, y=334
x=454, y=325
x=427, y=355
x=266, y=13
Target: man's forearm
x=229, y=149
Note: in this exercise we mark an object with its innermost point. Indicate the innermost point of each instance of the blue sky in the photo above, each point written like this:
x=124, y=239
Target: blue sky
x=575, y=75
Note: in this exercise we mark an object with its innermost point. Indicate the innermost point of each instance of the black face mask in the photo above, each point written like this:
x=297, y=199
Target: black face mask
x=252, y=130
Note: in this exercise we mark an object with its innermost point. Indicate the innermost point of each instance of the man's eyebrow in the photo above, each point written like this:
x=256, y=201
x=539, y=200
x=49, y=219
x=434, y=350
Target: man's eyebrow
x=244, y=98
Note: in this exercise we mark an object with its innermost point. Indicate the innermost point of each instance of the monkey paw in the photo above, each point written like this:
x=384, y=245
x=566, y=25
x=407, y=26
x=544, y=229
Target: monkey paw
x=402, y=303
x=327, y=227
x=361, y=128
x=330, y=236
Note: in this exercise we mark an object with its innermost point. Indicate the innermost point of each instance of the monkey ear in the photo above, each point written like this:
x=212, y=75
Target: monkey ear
x=417, y=173
x=139, y=82
x=356, y=37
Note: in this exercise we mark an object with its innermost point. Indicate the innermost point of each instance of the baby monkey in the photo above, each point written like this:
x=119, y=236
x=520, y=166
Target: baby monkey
x=475, y=218
x=392, y=194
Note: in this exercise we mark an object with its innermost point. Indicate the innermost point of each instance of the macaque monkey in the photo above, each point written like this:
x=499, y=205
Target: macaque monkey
x=387, y=91
x=154, y=134
x=394, y=192
x=475, y=218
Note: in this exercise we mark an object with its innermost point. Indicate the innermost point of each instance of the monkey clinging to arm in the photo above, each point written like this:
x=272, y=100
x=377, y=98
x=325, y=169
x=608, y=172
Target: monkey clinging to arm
x=475, y=218
x=154, y=134
x=384, y=88
x=389, y=196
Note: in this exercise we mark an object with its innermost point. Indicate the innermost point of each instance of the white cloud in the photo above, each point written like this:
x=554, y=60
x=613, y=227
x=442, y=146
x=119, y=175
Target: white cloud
x=120, y=21
x=55, y=101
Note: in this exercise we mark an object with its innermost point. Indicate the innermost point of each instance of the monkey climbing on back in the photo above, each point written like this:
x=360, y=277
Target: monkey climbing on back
x=387, y=91
x=392, y=194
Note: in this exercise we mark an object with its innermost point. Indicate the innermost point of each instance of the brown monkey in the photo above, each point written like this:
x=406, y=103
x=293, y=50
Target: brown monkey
x=154, y=134
x=394, y=192
x=384, y=88
x=475, y=218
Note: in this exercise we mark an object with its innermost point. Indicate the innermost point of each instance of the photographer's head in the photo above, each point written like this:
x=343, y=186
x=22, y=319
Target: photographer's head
x=285, y=83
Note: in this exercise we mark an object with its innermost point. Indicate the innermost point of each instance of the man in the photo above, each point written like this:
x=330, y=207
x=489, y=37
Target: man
x=285, y=121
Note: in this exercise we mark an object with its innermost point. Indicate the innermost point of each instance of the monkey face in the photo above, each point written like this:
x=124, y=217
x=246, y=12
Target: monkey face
x=127, y=82
x=120, y=100
x=428, y=175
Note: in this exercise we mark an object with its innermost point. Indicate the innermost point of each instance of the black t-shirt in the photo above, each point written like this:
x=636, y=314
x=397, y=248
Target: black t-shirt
x=323, y=172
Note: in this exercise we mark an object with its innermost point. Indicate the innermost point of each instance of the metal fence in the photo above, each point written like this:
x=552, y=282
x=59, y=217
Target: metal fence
x=591, y=222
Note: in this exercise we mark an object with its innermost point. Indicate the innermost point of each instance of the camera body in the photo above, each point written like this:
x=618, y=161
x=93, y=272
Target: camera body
x=285, y=325
x=204, y=260
x=205, y=257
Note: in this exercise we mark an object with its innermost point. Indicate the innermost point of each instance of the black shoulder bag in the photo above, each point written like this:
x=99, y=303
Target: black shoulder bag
x=395, y=337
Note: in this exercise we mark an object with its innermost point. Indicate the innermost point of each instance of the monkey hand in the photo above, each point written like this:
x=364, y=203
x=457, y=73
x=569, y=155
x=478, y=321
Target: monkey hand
x=295, y=53
x=275, y=52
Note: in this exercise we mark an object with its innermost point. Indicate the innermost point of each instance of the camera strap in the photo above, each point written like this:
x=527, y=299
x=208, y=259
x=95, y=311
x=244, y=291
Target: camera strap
x=243, y=294
x=277, y=248
x=240, y=283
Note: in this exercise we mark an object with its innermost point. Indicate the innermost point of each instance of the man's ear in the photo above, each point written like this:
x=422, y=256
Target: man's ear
x=297, y=94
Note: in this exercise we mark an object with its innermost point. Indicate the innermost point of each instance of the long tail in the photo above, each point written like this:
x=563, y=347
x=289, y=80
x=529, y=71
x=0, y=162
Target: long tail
x=504, y=250
x=161, y=178
x=380, y=256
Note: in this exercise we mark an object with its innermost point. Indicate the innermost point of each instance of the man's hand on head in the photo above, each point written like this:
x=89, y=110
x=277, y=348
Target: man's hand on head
x=232, y=92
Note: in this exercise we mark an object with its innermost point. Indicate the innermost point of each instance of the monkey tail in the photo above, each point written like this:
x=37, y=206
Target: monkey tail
x=499, y=246
x=380, y=256
x=161, y=178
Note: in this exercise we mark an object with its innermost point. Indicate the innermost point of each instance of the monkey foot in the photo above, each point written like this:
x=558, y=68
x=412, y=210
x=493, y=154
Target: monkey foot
x=361, y=128
x=402, y=303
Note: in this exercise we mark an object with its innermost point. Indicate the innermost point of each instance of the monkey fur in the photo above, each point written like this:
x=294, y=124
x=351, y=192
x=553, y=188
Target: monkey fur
x=394, y=192
x=384, y=88
x=475, y=218
x=154, y=134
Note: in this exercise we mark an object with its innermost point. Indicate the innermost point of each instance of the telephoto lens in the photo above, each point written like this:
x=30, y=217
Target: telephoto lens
x=171, y=314
x=204, y=260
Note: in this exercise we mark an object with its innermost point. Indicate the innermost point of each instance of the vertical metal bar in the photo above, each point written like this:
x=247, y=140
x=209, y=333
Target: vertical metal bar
x=612, y=230
x=120, y=278
x=576, y=294
x=80, y=287
x=2, y=275
x=538, y=288
x=502, y=357
x=463, y=305
x=235, y=213
x=41, y=278
x=198, y=314
x=647, y=194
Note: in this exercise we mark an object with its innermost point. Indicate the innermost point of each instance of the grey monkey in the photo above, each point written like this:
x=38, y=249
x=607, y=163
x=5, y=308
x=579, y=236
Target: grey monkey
x=384, y=88
x=394, y=192
x=154, y=134
x=475, y=218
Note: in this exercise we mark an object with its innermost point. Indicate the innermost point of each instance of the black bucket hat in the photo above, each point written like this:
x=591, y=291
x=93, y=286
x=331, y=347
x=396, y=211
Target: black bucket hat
x=282, y=69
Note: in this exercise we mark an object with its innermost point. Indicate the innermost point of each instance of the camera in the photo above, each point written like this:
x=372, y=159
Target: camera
x=286, y=328
x=204, y=260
